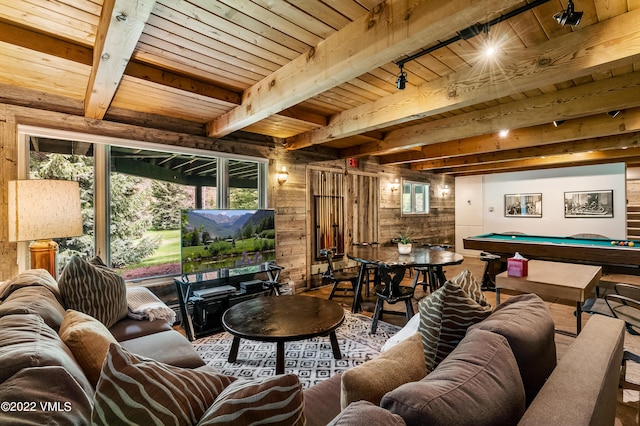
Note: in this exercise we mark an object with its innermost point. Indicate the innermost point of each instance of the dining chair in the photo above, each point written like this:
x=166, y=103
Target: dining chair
x=390, y=291
x=335, y=278
x=432, y=276
x=624, y=305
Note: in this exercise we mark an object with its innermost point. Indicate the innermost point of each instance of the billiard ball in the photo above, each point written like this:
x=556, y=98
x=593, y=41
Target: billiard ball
x=621, y=243
x=631, y=244
x=513, y=236
x=613, y=243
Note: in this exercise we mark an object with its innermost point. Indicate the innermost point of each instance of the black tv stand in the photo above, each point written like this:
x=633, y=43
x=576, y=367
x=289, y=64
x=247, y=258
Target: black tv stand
x=202, y=302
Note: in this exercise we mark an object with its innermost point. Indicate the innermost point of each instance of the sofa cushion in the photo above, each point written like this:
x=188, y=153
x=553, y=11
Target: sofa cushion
x=446, y=314
x=365, y=413
x=477, y=384
x=88, y=340
x=526, y=322
x=26, y=341
x=369, y=381
x=322, y=401
x=271, y=400
x=143, y=391
x=58, y=398
x=30, y=277
x=94, y=289
x=169, y=347
x=35, y=299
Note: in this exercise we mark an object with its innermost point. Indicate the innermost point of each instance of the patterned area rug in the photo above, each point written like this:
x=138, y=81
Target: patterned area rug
x=312, y=360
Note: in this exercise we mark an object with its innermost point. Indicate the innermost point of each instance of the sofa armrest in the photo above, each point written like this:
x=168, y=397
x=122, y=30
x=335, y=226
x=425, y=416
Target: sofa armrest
x=583, y=387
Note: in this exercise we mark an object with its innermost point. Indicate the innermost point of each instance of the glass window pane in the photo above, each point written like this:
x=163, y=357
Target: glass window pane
x=415, y=198
x=148, y=190
x=243, y=184
x=67, y=160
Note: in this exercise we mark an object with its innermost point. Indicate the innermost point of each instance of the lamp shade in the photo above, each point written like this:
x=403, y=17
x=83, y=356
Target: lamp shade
x=43, y=209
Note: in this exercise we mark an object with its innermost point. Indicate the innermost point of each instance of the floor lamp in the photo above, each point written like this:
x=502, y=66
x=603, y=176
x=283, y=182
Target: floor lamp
x=40, y=210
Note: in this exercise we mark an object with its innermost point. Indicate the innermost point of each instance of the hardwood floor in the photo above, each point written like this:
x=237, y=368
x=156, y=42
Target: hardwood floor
x=628, y=412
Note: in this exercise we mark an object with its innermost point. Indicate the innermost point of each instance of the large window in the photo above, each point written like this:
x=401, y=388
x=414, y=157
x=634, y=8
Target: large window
x=415, y=198
x=132, y=194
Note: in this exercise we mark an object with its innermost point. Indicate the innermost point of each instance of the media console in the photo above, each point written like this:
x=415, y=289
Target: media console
x=202, y=302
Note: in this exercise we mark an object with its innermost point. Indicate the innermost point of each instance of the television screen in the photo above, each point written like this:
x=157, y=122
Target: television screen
x=227, y=242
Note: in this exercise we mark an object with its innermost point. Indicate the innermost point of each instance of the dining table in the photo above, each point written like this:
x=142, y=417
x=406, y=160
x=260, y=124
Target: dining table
x=432, y=258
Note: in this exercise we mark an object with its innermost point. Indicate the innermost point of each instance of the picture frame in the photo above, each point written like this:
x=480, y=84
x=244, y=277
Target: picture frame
x=588, y=204
x=523, y=205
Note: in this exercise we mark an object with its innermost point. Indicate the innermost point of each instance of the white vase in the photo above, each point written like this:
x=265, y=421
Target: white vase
x=404, y=248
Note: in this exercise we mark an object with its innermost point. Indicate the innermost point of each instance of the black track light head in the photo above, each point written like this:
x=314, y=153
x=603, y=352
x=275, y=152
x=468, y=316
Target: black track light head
x=568, y=16
x=401, y=83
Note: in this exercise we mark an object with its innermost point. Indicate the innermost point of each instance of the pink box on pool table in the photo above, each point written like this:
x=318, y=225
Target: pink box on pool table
x=517, y=267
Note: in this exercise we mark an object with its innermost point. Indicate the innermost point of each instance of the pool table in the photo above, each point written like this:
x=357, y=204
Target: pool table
x=591, y=251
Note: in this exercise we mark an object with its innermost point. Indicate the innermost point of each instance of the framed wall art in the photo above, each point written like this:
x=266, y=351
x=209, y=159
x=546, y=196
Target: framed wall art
x=523, y=205
x=588, y=203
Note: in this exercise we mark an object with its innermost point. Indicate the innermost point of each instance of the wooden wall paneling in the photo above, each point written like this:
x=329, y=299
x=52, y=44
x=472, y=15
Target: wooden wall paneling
x=8, y=159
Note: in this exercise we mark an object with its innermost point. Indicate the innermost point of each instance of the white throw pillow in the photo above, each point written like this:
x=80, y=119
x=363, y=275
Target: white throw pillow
x=407, y=331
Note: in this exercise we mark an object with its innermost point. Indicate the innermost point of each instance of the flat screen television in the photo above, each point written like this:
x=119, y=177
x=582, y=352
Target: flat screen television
x=218, y=243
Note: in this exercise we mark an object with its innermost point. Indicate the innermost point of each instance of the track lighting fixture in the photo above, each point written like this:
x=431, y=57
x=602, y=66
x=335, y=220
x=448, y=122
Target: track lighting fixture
x=568, y=16
x=402, y=78
x=614, y=113
x=556, y=123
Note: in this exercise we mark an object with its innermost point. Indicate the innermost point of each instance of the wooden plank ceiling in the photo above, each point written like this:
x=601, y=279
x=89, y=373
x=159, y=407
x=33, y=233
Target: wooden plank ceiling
x=312, y=73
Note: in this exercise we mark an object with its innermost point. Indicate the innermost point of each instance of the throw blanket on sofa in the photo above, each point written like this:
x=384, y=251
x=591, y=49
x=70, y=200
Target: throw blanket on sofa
x=143, y=304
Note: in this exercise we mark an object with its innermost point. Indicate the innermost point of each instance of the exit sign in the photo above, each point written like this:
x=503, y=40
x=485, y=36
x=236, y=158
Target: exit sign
x=352, y=162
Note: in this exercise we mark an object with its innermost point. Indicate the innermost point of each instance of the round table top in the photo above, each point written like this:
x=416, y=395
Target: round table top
x=419, y=256
x=283, y=318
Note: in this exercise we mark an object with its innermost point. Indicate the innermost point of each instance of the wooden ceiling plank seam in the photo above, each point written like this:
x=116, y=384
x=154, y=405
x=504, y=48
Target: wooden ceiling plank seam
x=193, y=42
x=198, y=32
x=297, y=17
x=242, y=22
x=219, y=27
x=275, y=21
x=55, y=9
x=323, y=12
x=184, y=55
x=366, y=43
x=82, y=34
x=575, y=54
x=166, y=60
x=121, y=24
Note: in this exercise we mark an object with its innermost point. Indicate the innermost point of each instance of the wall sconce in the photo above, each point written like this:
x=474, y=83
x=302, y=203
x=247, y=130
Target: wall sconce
x=282, y=175
x=444, y=190
x=395, y=186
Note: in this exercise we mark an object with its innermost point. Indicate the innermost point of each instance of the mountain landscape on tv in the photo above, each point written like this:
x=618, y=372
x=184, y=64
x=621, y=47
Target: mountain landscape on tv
x=235, y=241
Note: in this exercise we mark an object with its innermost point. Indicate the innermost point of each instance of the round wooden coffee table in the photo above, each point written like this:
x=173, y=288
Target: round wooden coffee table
x=283, y=319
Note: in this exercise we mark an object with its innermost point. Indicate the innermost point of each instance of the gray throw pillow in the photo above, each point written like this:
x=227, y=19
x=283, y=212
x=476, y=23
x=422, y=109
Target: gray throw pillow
x=478, y=384
x=94, y=289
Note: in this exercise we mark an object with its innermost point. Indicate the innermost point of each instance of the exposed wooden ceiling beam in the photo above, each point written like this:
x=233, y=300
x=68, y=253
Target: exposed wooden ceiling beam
x=601, y=125
x=588, y=99
x=392, y=29
x=120, y=27
x=607, y=44
x=586, y=145
x=561, y=160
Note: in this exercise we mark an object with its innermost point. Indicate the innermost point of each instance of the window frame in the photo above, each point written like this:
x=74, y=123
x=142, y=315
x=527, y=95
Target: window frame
x=102, y=185
x=413, y=199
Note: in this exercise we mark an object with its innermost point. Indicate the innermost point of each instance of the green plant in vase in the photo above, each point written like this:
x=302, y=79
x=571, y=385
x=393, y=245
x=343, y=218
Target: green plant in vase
x=404, y=241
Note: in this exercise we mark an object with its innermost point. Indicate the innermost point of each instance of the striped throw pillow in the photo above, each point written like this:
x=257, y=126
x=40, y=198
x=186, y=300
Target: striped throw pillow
x=273, y=400
x=141, y=391
x=446, y=314
x=94, y=289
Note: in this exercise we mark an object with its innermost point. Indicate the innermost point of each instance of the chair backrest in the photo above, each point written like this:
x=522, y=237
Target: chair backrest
x=625, y=304
x=391, y=276
x=328, y=254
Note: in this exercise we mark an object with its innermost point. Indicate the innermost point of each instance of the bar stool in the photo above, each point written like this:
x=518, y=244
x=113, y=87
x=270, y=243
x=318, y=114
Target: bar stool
x=488, y=283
